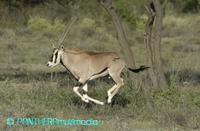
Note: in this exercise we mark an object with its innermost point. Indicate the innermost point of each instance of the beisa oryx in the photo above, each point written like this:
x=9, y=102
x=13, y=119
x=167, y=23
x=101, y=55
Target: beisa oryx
x=88, y=65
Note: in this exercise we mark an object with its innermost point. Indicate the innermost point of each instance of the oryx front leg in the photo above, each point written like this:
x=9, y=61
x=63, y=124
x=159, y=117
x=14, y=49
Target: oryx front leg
x=86, y=97
x=93, y=100
x=85, y=88
x=75, y=89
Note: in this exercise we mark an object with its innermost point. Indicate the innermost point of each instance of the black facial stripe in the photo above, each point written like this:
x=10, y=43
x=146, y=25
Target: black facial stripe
x=56, y=55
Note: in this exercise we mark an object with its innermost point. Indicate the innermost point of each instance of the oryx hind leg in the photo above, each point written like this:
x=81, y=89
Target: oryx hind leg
x=75, y=89
x=114, y=90
x=119, y=82
x=109, y=92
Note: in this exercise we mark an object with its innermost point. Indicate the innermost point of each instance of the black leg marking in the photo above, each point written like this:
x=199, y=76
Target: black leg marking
x=79, y=84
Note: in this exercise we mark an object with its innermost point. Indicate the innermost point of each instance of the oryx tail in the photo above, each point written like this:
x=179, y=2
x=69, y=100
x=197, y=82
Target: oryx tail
x=137, y=70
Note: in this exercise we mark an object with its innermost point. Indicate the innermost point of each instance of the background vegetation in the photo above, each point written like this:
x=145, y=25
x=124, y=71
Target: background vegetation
x=29, y=89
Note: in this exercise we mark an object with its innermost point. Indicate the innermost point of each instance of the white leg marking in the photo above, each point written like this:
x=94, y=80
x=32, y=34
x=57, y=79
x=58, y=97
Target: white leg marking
x=114, y=91
x=94, y=100
x=109, y=92
x=85, y=88
x=75, y=89
x=109, y=99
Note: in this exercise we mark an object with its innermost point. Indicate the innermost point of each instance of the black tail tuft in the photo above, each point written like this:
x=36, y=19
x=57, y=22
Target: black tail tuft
x=139, y=69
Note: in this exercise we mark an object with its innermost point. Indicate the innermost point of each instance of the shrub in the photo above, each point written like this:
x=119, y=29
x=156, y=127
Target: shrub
x=45, y=25
x=186, y=6
x=39, y=24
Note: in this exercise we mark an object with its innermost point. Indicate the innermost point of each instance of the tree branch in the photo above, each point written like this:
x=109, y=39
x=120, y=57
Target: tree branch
x=151, y=18
x=106, y=3
x=164, y=4
x=157, y=6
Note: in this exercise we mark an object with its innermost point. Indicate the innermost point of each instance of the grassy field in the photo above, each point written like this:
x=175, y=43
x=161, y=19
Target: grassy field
x=29, y=89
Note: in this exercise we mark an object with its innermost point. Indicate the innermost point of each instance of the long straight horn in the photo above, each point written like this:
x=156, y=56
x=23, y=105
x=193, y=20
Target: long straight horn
x=52, y=43
x=67, y=31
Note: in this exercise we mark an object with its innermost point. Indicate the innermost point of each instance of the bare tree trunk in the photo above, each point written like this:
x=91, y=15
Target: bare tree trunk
x=152, y=38
x=128, y=54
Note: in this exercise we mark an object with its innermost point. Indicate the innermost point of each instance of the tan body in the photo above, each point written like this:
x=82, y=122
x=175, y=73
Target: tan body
x=90, y=65
x=87, y=65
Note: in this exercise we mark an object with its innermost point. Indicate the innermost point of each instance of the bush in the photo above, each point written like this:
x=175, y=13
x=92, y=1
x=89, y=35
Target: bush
x=39, y=24
x=45, y=25
x=186, y=6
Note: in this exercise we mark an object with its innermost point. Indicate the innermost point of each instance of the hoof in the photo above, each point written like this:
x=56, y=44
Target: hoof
x=108, y=101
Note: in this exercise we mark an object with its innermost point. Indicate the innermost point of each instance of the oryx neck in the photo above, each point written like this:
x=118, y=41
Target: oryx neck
x=73, y=51
x=69, y=60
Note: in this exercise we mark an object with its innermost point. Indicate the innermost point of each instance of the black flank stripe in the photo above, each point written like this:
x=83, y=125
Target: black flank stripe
x=100, y=71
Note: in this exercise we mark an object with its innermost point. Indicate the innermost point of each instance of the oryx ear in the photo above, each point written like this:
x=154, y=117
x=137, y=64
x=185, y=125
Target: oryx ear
x=61, y=46
x=53, y=45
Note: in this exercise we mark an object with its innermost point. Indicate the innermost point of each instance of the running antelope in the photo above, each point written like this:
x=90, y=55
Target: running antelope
x=88, y=65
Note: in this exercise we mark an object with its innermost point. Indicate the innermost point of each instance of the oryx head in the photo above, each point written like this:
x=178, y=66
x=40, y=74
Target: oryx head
x=57, y=52
x=56, y=56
